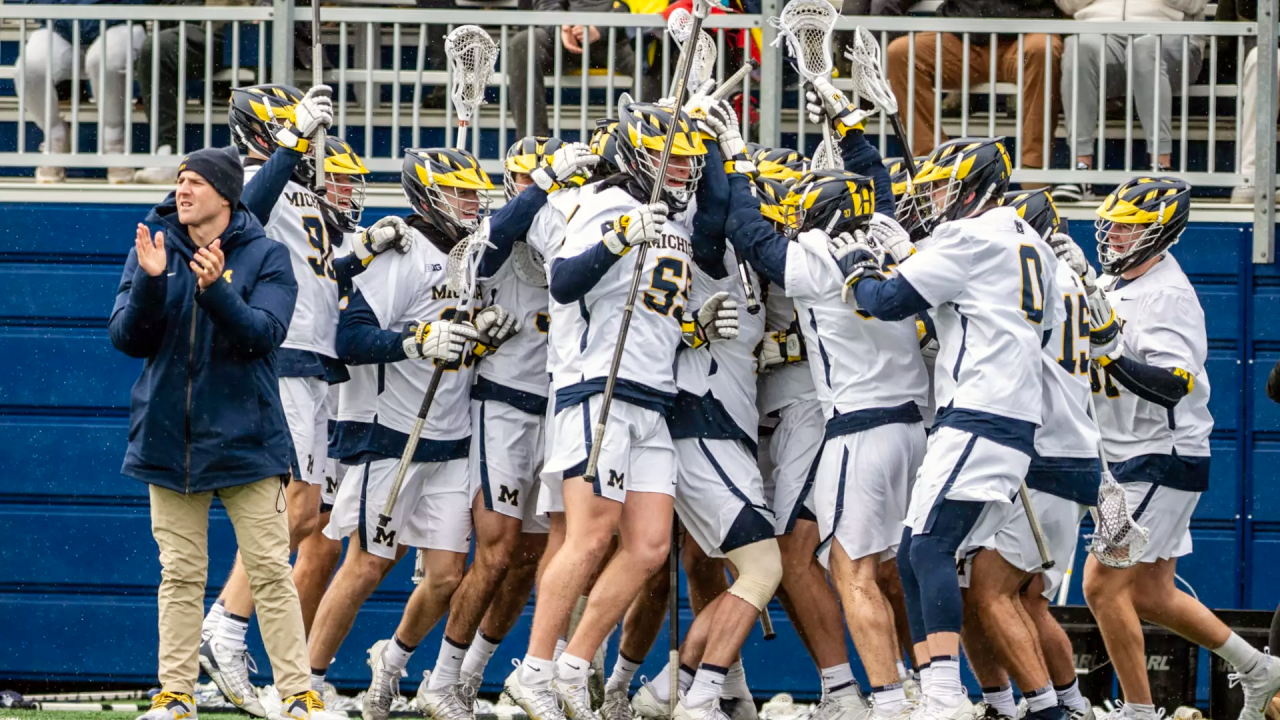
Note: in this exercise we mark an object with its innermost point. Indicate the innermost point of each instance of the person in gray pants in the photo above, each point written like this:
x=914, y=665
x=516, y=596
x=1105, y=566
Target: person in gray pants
x=1154, y=80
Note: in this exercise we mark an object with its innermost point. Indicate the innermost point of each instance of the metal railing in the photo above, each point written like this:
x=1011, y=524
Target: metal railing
x=384, y=77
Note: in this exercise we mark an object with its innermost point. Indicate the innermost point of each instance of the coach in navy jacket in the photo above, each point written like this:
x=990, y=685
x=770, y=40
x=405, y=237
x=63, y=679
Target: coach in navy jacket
x=206, y=302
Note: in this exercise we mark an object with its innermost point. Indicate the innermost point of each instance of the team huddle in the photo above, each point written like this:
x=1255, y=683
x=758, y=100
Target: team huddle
x=835, y=385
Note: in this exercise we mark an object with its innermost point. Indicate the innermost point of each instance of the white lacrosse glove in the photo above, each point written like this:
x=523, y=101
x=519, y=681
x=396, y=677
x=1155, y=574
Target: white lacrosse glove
x=389, y=232
x=716, y=320
x=723, y=123
x=857, y=259
x=494, y=326
x=888, y=234
x=771, y=347
x=642, y=225
x=441, y=340
x=928, y=343
x=1069, y=252
x=823, y=98
x=1105, y=329
x=571, y=164
x=313, y=111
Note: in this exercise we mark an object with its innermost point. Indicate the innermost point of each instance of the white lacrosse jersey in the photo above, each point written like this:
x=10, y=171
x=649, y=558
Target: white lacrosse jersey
x=987, y=279
x=402, y=289
x=586, y=332
x=297, y=223
x=787, y=383
x=546, y=236
x=858, y=363
x=1067, y=430
x=521, y=362
x=1164, y=327
x=723, y=371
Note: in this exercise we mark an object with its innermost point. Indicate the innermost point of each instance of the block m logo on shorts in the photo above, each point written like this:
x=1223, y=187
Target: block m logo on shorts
x=616, y=479
x=507, y=495
x=330, y=485
x=383, y=536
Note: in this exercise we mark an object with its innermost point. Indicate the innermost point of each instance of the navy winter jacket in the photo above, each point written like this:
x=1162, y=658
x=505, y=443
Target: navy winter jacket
x=205, y=414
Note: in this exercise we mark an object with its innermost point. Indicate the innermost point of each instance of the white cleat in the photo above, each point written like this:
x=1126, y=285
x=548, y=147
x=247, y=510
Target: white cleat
x=931, y=710
x=1260, y=685
x=416, y=703
x=739, y=708
x=846, y=707
x=617, y=706
x=708, y=712
x=384, y=687
x=539, y=703
x=1088, y=714
x=575, y=698
x=229, y=669
x=986, y=711
x=171, y=706
x=306, y=706
x=645, y=703
x=911, y=688
x=453, y=703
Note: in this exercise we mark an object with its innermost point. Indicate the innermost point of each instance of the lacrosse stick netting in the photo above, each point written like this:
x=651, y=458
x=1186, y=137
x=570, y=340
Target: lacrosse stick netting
x=472, y=54
x=826, y=156
x=462, y=269
x=1118, y=541
x=867, y=75
x=703, y=65
x=806, y=26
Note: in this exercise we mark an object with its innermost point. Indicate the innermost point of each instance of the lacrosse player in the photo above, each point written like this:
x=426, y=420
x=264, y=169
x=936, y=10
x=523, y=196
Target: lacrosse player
x=984, y=275
x=398, y=316
x=1152, y=394
x=1007, y=588
x=633, y=492
x=508, y=404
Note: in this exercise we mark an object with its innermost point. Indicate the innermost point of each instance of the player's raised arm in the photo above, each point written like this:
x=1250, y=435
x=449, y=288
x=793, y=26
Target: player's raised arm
x=752, y=226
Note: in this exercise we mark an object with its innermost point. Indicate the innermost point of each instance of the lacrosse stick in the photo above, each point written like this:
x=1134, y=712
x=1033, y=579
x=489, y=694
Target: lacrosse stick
x=1037, y=532
x=673, y=612
x=1118, y=541
x=766, y=625
x=461, y=273
x=703, y=65
x=869, y=82
x=735, y=80
x=701, y=8
x=806, y=25
x=471, y=54
x=317, y=78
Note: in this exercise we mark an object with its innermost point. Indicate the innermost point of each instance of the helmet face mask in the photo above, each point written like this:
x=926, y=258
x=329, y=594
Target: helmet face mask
x=447, y=188
x=343, y=199
x=1117, y=242
x=958, y=180
x=640, y=137
x=1139, y=220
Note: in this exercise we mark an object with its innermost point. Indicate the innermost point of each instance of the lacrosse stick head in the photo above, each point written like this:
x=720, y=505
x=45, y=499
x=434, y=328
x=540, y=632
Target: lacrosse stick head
x=703, y=63
x=528, y=264
x=1118, y=541
x=462, y=268
x=641, y=140
x=807, y=26
x=826, y=157
x=471, y=53
x=959, y=179
x=833, y=201
x=447, y=188
x=868, y=73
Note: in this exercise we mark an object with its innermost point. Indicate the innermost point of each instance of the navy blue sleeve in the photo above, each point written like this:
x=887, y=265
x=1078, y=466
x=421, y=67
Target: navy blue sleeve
x=138, y=319
x=347, y=268
x=861, y=157
x=709, y=221
x=1151, y=383
x=264, y=188
x=751, y=235
x=256, y=325
x=892, y=299
x=510, y=224
x=573, y=277
x=361, y=339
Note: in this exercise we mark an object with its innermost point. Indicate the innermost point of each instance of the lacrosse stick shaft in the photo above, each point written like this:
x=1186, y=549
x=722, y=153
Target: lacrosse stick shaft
x=660, y=180
x=1046, y=560
x=766, y=625
x=673, y=612
x=734, y=81
x=744, y=274
x=1093, y=413
x=907, y=157
x=317, y=78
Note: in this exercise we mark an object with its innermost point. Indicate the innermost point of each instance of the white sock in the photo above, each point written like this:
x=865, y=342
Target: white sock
x=945, y=685
x=448, y=665
x=317, y=681
x=707, y=685
x=926, y=678
x=661, y=684
x=231, y=631
x=1237, y=651
x=1141, y=712
x=1001, y=699
x=479, y=654
x=536, y=672
x=211, y=621
x=888, y=701
x=902, y=671
x=572, y=669
x=1070, y=696
x=396, y=654
x=735, y=682
x=1042, y=698
x=624, y=671
x=837, y=681
x=561, y=644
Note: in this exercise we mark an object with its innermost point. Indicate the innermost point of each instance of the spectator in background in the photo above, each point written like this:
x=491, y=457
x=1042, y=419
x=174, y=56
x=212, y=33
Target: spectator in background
x=1151, y=77
x=1246, y=11
x=1036, y=46
x=165, y=113
x=47, y=60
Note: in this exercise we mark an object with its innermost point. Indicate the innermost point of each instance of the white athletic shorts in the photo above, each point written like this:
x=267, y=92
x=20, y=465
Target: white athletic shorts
x=1166, y=512
x=861, y=487
x=433, y=511
x=720, y=496
x=505, y=461
x=550, y=497
x=959, y=465
x=637, y=454
x=306, y=409
x=792, y=450
x=334, y=471
x=1005, y=529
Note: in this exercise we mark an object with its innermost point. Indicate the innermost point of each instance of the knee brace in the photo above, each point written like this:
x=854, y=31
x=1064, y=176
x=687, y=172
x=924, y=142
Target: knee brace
x=910, y=588
x=759, y=572
x=933, y=561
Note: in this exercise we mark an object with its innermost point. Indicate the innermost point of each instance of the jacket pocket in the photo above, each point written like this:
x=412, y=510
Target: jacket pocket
x=224, y=409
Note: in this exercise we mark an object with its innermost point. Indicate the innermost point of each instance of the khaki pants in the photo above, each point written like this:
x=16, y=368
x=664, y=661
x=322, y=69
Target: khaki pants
x=1033, y=83
x=180, y=524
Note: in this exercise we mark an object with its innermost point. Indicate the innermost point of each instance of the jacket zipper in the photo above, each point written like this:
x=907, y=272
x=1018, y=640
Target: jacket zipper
x=191, y=356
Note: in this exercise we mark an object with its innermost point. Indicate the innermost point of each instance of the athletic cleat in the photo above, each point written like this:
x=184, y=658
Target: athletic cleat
x=617, y=706
x=416, y=703
x=709, y=712
x=384, y=687
x=845, y=707
x=645, y=703
x=595, y=682
x=305, y=706
x=739, y=708
x=985, y=711
x=539, y=703
x=930, y=710
x=229, y=670
x=1260, y=685
x=1057, y=712
x=575, y=699
x=908, y=709
x=1087, y=714
x=911, y=687
x=455, y=703
x=171, y=706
